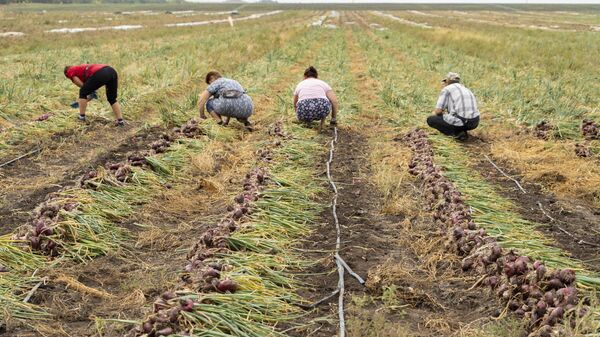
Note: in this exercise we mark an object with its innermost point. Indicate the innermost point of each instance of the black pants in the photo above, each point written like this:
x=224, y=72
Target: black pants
x=438, y=123
x=106, y=76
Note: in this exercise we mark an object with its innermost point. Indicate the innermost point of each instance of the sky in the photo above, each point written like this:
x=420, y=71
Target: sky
x=431, y=1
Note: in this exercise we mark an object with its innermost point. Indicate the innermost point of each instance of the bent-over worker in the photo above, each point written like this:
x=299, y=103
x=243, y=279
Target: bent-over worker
x=89, y=78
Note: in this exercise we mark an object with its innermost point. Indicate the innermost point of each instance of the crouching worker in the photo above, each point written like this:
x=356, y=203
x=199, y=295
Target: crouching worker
x=314, y=99
x=456, y=110
x=226, y=98
x=89, y=78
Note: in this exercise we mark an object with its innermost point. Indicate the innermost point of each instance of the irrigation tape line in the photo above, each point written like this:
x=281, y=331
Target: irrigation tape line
x=341, y=264
x=579, y=241
x=350, y=271
x=319, y=302
x=340, y=267
x=506, y=175
x=21, y=157
x=26, y=299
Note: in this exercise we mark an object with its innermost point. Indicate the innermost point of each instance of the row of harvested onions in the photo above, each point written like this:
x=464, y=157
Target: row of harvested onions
x=542, y=297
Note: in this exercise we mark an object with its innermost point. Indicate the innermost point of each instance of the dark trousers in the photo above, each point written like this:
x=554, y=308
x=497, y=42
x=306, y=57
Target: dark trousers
x=106, y=76
x=438, y=123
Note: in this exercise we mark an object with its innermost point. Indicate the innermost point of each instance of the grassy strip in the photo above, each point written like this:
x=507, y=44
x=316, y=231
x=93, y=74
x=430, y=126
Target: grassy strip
x=91, y=230
x=395, y=97
x=405, y=97
x=139, y=95
x=522, y=93
x=262, y=258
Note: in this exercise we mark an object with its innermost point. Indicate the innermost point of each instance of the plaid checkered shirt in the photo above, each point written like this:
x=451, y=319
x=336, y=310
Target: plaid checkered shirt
x=458, y=101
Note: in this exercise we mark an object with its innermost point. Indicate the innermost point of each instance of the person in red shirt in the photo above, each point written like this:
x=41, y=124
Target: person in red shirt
x=89, y=78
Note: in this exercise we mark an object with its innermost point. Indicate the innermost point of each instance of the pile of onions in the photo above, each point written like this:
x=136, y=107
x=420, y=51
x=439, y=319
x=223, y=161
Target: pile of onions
x=276, y=129
x=162, y=144
x=189, y=129
x=83, y=182
x=590, y=130
x=542, y=130
x=542, y=297
x=39, y=231
x=214, y=239
x=120, y=170
x=583, y=150
x=137, y=159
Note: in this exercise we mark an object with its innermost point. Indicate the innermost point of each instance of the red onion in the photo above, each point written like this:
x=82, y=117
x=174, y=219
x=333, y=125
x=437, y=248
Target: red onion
x=168, y=295
x=210, y=272
x=521, y=265
x=556, y=314
x=554, y=284
x=147, y=327
x=540, y=272
x=164, y=332
x=467, y=263
x=227, y=285
x=545, y=331
x=549, y=297
x=541, y=308
x=567, y=295
x=187, y=304
x=174, y=314
x=492, y=281
x=237, y=214
x=567, y=276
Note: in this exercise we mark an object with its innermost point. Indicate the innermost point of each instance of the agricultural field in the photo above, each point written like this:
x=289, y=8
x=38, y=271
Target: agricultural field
x=176, y=226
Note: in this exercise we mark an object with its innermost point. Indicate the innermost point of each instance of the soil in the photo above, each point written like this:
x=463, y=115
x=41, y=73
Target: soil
x=378, y=248
x=60, y=164
x=558, y=216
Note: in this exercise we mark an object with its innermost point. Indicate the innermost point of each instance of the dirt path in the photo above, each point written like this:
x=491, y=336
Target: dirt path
x=573, y=225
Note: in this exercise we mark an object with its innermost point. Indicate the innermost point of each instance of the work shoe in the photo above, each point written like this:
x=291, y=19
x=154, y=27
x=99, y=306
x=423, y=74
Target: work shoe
x=462, y=136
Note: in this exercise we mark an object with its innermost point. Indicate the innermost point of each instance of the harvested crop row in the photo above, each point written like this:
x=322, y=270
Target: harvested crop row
x=542, y=297
x=77, y=222
x=237, y=280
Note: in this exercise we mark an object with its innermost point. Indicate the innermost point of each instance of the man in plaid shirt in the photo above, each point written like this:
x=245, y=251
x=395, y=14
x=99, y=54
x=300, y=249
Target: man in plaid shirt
x=460, y=107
